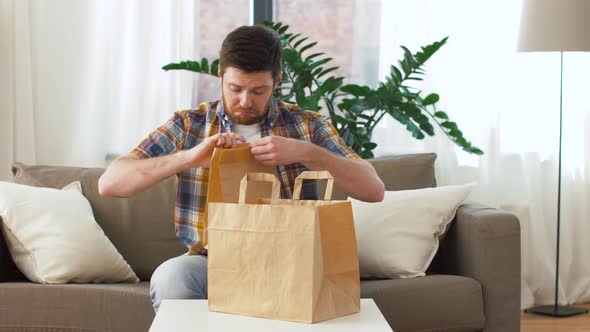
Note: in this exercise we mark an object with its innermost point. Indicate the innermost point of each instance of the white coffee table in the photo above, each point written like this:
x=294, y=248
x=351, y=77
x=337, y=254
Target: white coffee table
x=193, y=315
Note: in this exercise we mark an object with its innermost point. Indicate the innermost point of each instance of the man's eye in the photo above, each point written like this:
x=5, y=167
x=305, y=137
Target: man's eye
x=234, y=89
x=258, y=93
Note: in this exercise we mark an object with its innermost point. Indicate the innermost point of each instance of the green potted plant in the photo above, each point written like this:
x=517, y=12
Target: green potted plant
x=355, y=110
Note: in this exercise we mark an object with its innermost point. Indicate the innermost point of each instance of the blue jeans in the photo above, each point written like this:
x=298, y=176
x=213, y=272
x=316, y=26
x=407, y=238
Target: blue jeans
x=182, y=277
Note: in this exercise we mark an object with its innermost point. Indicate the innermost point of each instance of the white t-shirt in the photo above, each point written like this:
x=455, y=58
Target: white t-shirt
x=250, y=132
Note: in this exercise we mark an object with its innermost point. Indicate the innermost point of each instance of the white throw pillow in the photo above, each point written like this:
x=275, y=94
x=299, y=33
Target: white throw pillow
x=53, y=238
x=398, y=237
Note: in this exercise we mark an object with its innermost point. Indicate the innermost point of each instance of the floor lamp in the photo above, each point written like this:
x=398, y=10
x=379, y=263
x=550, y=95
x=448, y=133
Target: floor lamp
x=555, y=26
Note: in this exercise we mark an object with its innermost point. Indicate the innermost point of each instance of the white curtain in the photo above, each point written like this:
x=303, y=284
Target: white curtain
x=507, y=103
x=80, y=80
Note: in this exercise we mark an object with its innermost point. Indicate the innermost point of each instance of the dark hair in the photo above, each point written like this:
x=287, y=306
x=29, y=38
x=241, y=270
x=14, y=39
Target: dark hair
x=252, y=49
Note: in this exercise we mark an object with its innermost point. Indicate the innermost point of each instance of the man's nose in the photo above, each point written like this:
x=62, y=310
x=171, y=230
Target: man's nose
x=245, y=100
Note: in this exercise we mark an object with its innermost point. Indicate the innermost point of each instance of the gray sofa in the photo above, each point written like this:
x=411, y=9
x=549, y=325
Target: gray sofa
x=472, y=285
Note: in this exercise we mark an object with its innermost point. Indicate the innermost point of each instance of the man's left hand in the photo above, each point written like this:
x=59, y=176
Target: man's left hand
x=277, y=150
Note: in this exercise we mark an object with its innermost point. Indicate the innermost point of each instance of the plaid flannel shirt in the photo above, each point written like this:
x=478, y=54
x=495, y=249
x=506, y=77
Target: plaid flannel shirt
x=188, y=128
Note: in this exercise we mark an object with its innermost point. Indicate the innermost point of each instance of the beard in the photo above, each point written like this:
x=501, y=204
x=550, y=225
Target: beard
x=249, y=116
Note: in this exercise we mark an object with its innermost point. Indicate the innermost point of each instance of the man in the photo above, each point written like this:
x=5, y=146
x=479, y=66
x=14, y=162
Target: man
x=279, y=134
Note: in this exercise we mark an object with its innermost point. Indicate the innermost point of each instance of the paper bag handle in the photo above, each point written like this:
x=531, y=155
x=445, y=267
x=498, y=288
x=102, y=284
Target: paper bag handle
x=266, y=177
x=314, y=175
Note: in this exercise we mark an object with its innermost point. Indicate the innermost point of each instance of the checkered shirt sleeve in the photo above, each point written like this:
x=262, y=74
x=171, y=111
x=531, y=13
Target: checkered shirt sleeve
x=326, y=136
x=166, y=139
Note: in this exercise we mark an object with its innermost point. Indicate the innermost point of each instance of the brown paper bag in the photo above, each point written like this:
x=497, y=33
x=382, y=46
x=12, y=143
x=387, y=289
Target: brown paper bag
x=283, y=259
x=227, y=168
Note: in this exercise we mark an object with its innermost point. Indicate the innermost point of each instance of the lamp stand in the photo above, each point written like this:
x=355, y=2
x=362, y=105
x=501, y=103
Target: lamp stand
x=556, y=310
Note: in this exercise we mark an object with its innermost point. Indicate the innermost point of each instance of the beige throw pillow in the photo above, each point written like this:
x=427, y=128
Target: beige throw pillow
x=398, y=237
x=53, y=238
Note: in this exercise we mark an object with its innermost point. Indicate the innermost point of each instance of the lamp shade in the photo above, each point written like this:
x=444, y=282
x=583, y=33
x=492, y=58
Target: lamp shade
x=554, y=25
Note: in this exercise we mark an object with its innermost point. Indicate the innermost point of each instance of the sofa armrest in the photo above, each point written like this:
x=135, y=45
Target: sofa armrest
x=483, y=243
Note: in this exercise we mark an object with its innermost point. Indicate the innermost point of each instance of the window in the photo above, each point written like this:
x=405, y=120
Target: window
x=215, y=19
x=345, y=30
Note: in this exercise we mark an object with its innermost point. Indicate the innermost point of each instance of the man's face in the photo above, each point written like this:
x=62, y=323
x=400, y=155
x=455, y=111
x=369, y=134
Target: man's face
x=246, y=96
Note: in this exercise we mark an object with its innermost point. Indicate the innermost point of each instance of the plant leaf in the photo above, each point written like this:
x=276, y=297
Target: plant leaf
x=370, y=145
x=330, y=85
x=299, y=42
x=205, y=65
x=283, y=29
x=356, y=90
x=327, y=71
x=313, y=56
x=184, y=65
x=441, y=115
x=214, y=67
x=430, y=99
x=290, y=39
x=316, y=71
x=289, y=55
x=319, y=63
x=308, y=46
x=449, y=125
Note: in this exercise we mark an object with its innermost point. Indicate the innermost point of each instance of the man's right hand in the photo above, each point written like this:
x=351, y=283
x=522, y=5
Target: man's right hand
x=200, y=155
x=129, y=175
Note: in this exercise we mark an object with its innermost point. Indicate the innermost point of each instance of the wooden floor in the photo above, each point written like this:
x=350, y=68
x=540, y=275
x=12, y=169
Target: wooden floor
x=539, y=323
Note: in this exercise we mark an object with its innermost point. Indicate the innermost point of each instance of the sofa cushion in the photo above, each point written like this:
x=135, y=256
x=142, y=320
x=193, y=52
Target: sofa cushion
x=430, y=303
x=53, y=238
x=398, y=237
x=404, y=172
x=72, y=307
x=141, y=227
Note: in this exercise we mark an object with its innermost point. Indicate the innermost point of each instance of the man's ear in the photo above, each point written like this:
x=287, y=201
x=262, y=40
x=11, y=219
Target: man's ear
x=219, y=73
x=279, y=78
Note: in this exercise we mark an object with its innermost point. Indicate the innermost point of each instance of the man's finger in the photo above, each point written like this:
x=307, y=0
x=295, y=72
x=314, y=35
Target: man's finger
x=238, y=137
x=265, y=156
x=260, y=141
x=210, y=141
x=234, y=142
x=220, y=140
x=228, y=141
x=267, y=159
x=261, y=149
